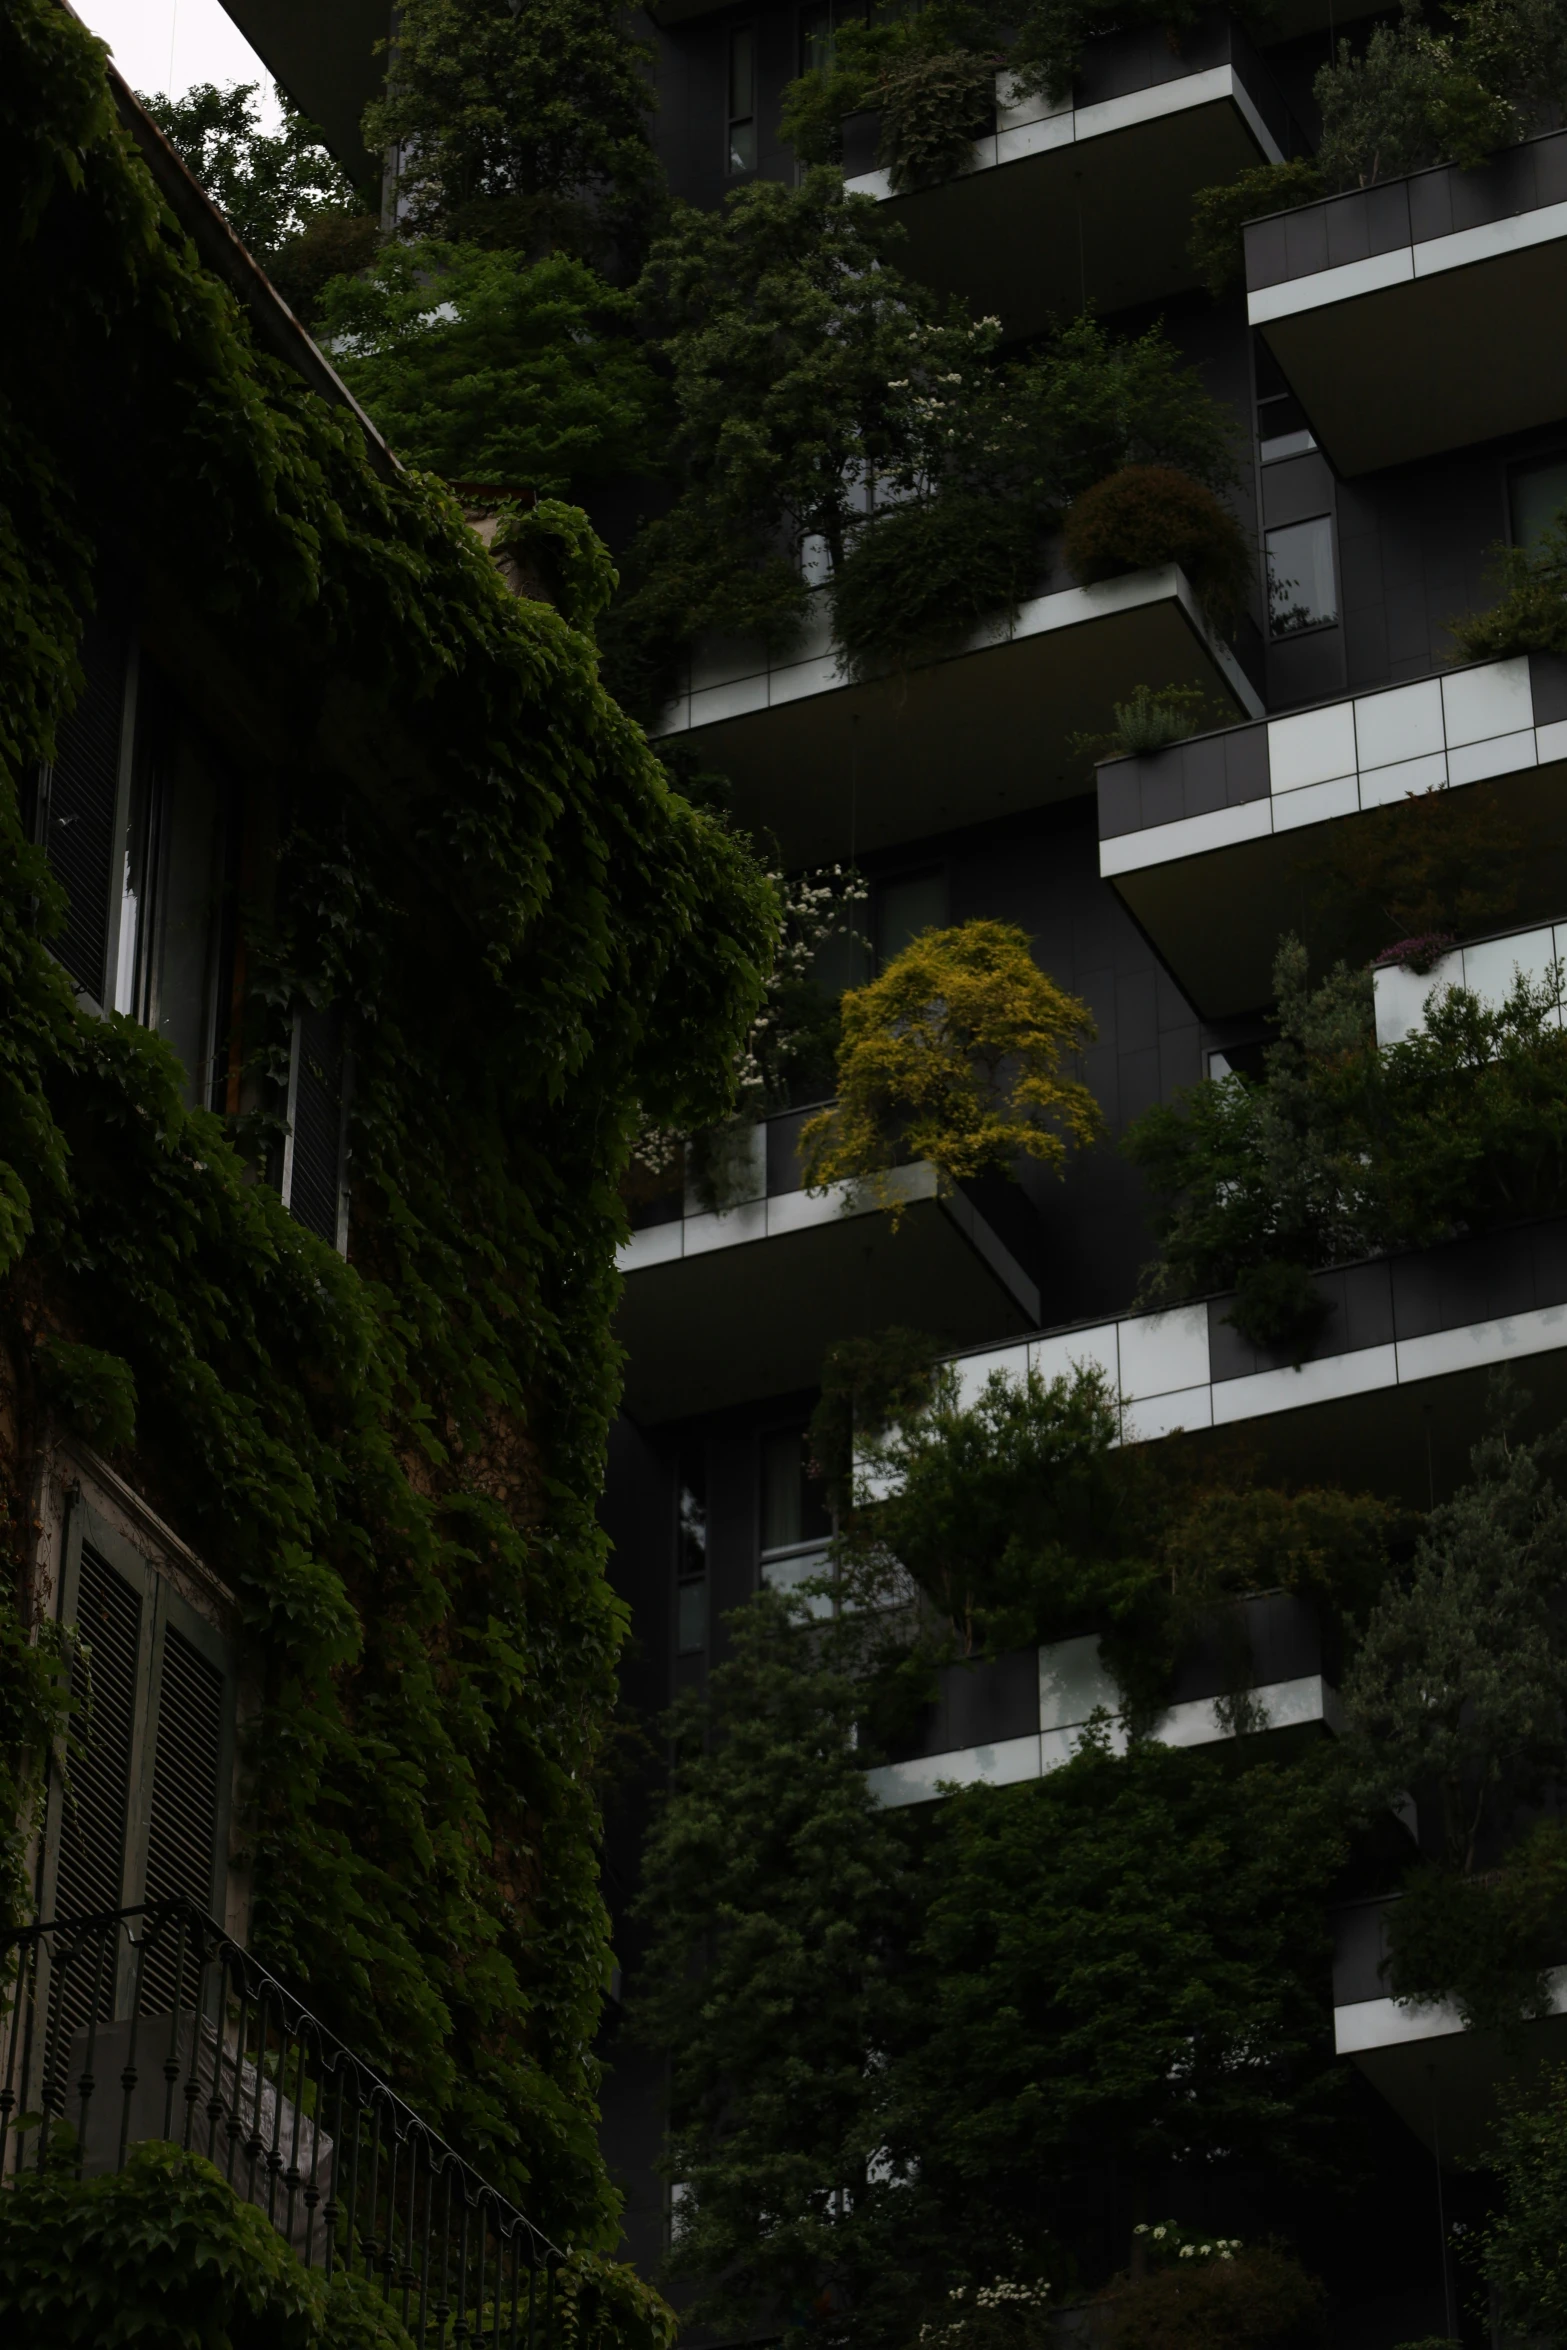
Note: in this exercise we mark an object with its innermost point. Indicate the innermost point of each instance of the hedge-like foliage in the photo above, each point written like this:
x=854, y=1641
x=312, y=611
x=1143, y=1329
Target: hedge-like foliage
x=393, y=1461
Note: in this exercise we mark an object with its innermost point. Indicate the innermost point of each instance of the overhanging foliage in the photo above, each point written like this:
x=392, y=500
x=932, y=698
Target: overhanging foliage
x=394, y=1462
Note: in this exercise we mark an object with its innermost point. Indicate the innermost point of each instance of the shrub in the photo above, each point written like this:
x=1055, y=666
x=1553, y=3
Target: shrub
x=1345, y=1149
x=1531, y=614
x=337, y=243
x=1150, y=720
x=560, y=557
x=933, y=109
x=159, y=2255
x=1259, y=2300
x=954, y=1055
x=1486, y=1943
x=917, y=580
x=1216, y=245
x=1523, y=2251
x=1147, y=514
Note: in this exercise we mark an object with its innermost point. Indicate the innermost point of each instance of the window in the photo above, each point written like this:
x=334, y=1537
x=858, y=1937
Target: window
x=170, y=967
x=314, y=1180
x=1301, y=589
x=151, y=1752
x=796, y=1525
x=819, y=30
x=905, y=907
x=691, y=1556
x=1537, y=496
x=79, y=805
x=742, y=99
x=1282, y=430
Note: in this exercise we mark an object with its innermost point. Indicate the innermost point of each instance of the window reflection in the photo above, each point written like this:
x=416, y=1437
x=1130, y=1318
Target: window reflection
x=1302, y=592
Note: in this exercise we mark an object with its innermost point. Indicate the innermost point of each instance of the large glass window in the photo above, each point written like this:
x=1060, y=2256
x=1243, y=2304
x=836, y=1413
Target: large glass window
x=906, y=906
x=796, y=1525
x=742, y=99
x=1302, y=592
x=691, y=1555
x=1537, y=497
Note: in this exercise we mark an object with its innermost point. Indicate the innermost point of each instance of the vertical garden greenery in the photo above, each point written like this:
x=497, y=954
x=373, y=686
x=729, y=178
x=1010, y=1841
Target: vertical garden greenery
x=393, y=1461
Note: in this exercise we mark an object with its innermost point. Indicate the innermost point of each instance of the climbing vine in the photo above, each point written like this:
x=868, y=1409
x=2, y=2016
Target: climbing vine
x=540, y=945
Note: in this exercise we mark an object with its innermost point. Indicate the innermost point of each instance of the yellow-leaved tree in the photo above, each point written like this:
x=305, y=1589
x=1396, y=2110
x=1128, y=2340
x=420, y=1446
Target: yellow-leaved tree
x=958, y=1053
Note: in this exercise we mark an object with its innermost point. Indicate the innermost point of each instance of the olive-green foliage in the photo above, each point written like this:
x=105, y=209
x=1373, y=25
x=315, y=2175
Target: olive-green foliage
x=1530, y=615
x=931, y=73
x=1018, y=1516
x=162, y=2255
x=1436, y=866
x=920, y=580
x=1343, y=1149
x=1415, y=96
x=1021, y=1517
x=1523, y=2255
x=1258, y=2299
x=776, y=1902
x=1121, y=1967
x=556, y=550
x=1216, y=245
x=1489, y=1944
x=489, y=367
x=394, y=1461
x=1150, y=719
x=868, y=1387
x=804, y=366
x=521, y=127
x=933, y=107
x=1142, y=515
x=958, y=1053
x=1459, y=1685
x=270, y=185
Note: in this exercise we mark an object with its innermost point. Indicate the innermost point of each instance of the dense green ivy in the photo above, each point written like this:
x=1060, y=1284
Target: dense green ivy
x=394, y=1460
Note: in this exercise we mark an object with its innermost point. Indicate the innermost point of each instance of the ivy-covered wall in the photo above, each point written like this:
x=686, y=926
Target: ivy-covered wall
x=541, y=947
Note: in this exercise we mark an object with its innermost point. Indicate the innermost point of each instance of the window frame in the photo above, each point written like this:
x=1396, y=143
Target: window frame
x=1290, y=636
x=163, y=1606
x=735, y=33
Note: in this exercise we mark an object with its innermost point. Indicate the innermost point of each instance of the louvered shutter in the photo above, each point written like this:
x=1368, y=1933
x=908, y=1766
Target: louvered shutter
x=183, y=1814
x=313, y=1189
x=142, y=1812
x=78, y=805
x=108, y=1616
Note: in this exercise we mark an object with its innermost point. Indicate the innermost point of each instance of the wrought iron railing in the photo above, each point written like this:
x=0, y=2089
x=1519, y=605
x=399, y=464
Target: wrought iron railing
x=151, y=2023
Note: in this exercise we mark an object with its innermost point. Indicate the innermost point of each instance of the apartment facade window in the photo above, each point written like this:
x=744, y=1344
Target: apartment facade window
x=141, y=1811
x=741, y=147
x=1282, y=429
x=906, y=905
x=1302, y=589
x=795, y=1522
x=1536, y=497
x=691, y=1556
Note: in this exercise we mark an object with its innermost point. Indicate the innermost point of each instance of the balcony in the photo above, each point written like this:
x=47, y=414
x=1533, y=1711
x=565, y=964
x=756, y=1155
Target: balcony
x=1023, y=1715
x=1392, y=1387
x=832, y=768
x=1438, y=2076
x=1087, y=203
x=1488, y=968
x=728, y=1304
x=151, y=2024
x=1211, y=844
x=1424, y=314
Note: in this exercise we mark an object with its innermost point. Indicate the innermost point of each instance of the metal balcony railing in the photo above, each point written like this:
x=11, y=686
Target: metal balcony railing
x=152, y=2023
